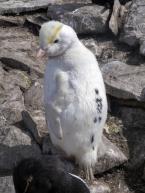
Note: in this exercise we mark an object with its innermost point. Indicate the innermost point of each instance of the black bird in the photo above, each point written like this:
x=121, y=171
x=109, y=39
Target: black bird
x=35, y=176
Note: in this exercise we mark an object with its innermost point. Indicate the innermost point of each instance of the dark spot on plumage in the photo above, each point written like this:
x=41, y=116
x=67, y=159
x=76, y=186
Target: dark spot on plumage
x=95, y=120
x=98, y=100
x=96, y=91
x=92, y=138
x=100, y=118
x=93, y=148
x=99, y=105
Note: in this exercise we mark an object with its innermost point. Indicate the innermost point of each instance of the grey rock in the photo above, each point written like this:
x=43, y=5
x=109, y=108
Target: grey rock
x=99, y=187
x=39, y=118
x=135, y=116
x=34, y=96
x=18, y=50
x=85, y=20
x=11, y=97
x=15, y=145
x=11, y=103
x=19, y=78
x=124, y=81
x=76, y=1
x=10, y=6
x=7, y=21
x=31, y=126
x=114, y=22
x=135, y=134
x=133, y=32
x=6, y=185
x=92, y=45
x=142, y=47
x=110, y=156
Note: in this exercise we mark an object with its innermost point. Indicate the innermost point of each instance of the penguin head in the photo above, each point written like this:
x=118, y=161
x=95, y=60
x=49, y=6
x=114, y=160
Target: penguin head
x=55, y=38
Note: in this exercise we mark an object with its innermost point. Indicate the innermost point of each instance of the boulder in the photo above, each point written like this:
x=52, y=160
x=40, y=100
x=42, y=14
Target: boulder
x=34, y=96
x=90, y=19
x=133, y=32
x=92, y=45
x=124, y=81
x=15, y=145
x=110, y=156
x=11, y=97
x=11, y=21
x=99, y=187
x=18, y=50
x=6, y=185
x=16, y=7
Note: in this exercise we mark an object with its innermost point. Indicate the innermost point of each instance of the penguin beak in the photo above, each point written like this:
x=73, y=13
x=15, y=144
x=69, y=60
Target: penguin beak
x=40, y=53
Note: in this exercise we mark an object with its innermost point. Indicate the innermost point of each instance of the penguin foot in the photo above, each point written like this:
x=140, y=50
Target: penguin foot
x=89, y=174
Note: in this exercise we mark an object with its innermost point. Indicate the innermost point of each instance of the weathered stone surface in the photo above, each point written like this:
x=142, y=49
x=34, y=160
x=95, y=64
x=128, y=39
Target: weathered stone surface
x=133, y=32
x=7, y=21
x=99, y=187
x=19, y=78
x=85, y=20
x=39, y=118
x=124, y=81
x=135, y=116
x=34, y=22
x=92, y=45
x=18, y=50
x=15, y=145
x=6, y=185
x=36, y=124
x=110, y=156
x=10, y=6
x=11, y=97
x=11, y=105
x=34, y=96
x=135, y=137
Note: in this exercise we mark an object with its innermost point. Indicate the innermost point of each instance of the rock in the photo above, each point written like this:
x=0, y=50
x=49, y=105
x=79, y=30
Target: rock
x=11, y=105
x=20, y=78
x=114, y=20
x=11, y=96
x=99, y=187
x=85, y=20
x=92, y=45
x=133, y=32
x=34, y=96
x=135, y=138
x=76, y=1
x=31, y=126
x=110, y=156
x=18, y=50
x=124, y=81
x=6, y=185
x=19, y=6
x=7, y=21
x=39, y=118
x=14, y=146
x=34, y=22
x=135, y=116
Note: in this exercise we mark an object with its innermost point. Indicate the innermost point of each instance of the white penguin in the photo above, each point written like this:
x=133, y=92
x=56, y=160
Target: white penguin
x=74, y=95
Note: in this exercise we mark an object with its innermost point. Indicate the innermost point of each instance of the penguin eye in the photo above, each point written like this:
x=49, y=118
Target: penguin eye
x=56, y=41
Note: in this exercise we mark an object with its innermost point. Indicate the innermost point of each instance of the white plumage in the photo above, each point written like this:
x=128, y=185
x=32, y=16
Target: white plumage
x=74, y=94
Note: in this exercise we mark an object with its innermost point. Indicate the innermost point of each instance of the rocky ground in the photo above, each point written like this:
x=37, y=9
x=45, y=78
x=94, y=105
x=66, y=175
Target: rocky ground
x=119, y=45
